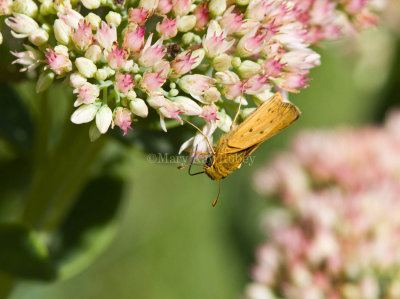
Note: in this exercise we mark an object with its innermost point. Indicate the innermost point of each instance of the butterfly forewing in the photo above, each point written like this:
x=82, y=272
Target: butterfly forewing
x=268, y=119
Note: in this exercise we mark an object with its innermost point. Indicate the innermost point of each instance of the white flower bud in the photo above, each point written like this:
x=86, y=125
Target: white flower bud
x=199, y=53
x=248, y=68
x=62, y=31
x=26, y=7
x=211, y=95
x=47, y=8
x=156, y=100
x=61, y=50
x=1, y=38
x=226, y=77
x=77, y=80
x=131, y=95
x=86, y=67
x=91, y=4
x=217, y=7
x=113, y=18
x=39, y=37
x=103, y=119
x=93, y=53
x=44, y=81
x=186, y=23
x=187, y=38
x=222, y=62
x=84, y=114
x=101, y=75
x=149, y=5
x=139, y=107
x=94, y=20
x=187, y=106
x=236, y=62
x=224, y=121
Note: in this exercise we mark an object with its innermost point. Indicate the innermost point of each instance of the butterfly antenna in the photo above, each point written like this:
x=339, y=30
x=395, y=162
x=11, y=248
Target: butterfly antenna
x=216, y=199
x=240, y=105
x=201, y=132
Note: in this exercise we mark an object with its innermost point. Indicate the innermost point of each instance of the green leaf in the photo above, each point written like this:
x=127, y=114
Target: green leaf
x=90, y=227
x=23, y=254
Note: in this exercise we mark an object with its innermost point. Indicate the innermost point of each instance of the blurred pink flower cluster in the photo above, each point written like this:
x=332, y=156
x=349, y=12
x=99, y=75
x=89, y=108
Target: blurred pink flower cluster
x=337, y=233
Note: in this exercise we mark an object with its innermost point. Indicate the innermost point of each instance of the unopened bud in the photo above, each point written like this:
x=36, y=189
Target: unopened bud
x=224, y=121
x=1, y=38
x=149, y=5
x=187, y=38
x=86, y=67
x=222, y=62
x=47, y=8
x=217, y=7
x=94, y=20
x=84, y=114
x=211, y=95
x=103, y=119
x=186, y=23
x=26, y=7
x=44, y=81
x=131, y=95
x=236, y=62
x=39, y=37
x=91, y=4
x=227, y=77
x=139, y=107
x=93, y=53
x=101, y=75
x=248, y=68
x=187, y=106
x=113, y=18
x=62, y=31
x=77, y=80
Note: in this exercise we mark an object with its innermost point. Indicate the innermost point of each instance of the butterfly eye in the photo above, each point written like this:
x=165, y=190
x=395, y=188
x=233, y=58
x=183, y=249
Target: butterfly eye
x=210, y=161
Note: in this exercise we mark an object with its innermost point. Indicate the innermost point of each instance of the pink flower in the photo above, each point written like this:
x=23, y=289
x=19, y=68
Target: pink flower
x=215, y=44
x=231, y=22
x=195, y=85
x=124, y=83
x=168, y=28
x=202, y=15
x=256, y=84
x=83, y=36
x=87, y=94
x=232, y=91
x=117, y=57
x=181, y=7
x=152, y=81
x=134, y=39
x=209, y=113
x=250, y=44
x=301, y=60
x=138, y=16
x=150, y=55
x=122, y=118
x=354, y=6
x=58, y=62
x=169, y=110
x=106, y=35
x=72, y=18
x=30, y=59
x=182, y=64
x=164, y=7
x=293, y=81
x=272, y=67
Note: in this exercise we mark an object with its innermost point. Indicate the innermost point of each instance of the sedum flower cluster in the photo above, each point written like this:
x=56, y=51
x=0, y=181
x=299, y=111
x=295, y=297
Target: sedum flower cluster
x=337, y=232
x=181, y=58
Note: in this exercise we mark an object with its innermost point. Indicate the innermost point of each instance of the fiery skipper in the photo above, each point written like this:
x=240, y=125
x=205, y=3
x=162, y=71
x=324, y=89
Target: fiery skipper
x=242, y=140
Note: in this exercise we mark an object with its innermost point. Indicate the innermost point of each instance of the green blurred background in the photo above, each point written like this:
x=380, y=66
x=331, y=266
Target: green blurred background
x=165, y=240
